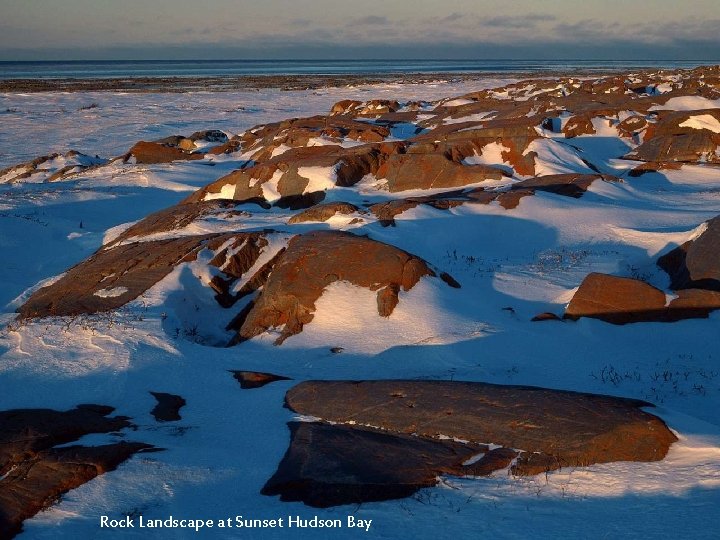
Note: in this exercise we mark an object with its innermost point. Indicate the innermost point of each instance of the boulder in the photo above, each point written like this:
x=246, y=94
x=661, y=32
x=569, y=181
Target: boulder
x=570, y=184
x=329, y=465
x=550, y=428
x=323, y=212
x=431, y=171
x=154, y=152
x=315, y=260
x=696, y=263
x=616, y=300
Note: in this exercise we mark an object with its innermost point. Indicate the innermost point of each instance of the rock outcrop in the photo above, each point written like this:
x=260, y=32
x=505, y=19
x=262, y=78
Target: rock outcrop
x=315, y=260
x=34, y=472
x=416, y=424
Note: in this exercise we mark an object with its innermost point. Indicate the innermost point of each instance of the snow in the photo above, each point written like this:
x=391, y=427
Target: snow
x=226, y=192
x=702, y=121
x=319, y=178
x=111, y=293
x=687, y=103
x=229, y=442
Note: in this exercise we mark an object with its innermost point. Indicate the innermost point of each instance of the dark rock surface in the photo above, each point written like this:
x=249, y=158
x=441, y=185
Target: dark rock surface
x=168, y=407
x=696, y=263
x=256, y=379
x=33, y=473
x=330, y=465
x=552, y=428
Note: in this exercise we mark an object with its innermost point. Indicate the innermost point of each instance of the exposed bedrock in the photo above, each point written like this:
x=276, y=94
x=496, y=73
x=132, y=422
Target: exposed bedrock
x=389, y=438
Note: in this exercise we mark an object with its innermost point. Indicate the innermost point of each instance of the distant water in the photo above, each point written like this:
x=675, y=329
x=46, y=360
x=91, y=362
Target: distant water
x=213, y=68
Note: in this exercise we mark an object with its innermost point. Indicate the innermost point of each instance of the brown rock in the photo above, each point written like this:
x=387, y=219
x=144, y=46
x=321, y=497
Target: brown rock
x=114, y=276
x=431, y=171
x=33, y=474
x=256, y=379
x=323, y=212
x=153, y=152
x=546, y=316
x=570, y=185
x=315, y=260
x=616, y=300
x=552, y=428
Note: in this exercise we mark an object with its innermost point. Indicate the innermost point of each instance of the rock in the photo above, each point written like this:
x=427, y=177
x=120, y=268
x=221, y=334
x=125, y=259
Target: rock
x=315, y=260
x=333, y=465
x=33, y=474
x=578, y=125
x=289, y=174
x=209, y=135
x=546, y=316
x=114, y=276
x=616, y=300
x=323, y=212
x=178, y=217
x=696, y=263
x=622, y=300
x=674, y=139
x=431, y=171
x=256, y=379
x=154, y=152
x=50, y=168
x=569, y=185
x=552, y=428
x=168, y=407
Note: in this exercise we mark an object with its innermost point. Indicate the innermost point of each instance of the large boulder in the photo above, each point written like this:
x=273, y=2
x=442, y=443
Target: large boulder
x=550, y=428
x=145, y=152
x=329, y=465
x=315, y=260
x=617, y=300
x=620, y=300
x=696, y=263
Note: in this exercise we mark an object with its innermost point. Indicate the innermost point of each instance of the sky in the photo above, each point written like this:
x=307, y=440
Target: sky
x=360, y=29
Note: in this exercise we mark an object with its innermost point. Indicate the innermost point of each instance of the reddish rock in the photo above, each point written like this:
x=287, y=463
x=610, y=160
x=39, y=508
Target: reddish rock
x=154, y=152
x=569, y=185
x=315, y=260
x=323, y=212
x=33, y=474
x=114, y=276
x=616, y=300
x=431, y=171
x=256, y=379
x=551, y=428
x=546, y=316
x=578, y=125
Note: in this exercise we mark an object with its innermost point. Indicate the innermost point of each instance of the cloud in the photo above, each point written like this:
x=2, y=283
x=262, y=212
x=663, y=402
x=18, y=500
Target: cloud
x=370, y=20
x=530, y=20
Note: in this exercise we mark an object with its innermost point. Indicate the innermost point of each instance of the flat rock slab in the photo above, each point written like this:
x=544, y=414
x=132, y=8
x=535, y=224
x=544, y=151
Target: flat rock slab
x=33, y=474
x=329, y=465
x=553, y=428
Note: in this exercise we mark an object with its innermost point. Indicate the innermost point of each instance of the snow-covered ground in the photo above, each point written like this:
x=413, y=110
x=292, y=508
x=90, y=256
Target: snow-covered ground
x=108, y=123
x=230, y=441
